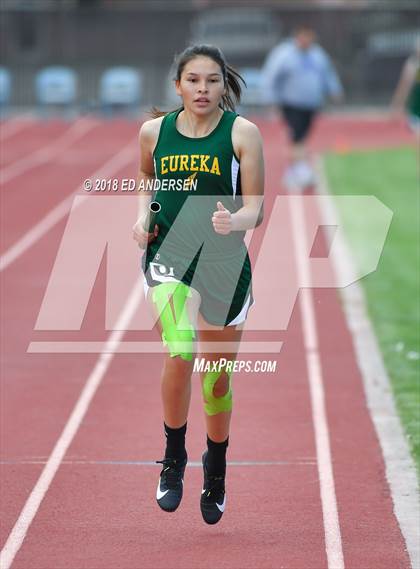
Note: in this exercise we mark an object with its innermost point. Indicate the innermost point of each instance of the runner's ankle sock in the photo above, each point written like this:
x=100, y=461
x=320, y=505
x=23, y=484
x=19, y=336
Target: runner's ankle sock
x=216, y=457
x=175, y=442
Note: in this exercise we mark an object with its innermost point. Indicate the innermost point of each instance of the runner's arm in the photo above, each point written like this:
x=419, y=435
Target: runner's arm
x=405, y=83
x=149, y=132
x=248, y=146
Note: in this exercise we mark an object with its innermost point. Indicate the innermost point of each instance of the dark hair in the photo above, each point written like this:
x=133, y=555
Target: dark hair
x=304, y=28
x=231, y=77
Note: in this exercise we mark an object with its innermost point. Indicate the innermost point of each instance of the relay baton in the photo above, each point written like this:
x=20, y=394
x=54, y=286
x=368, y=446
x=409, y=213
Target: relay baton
x=149, y=224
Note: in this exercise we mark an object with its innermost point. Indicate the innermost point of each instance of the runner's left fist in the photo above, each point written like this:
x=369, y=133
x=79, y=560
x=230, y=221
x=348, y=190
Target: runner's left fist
x=222, y=220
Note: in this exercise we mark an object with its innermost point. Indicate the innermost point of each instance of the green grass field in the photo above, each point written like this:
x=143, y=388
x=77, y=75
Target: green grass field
x=393, y=290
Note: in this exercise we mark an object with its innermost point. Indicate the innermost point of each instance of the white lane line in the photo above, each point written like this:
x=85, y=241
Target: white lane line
x=124, y=156
x=400, y=469
x=12, y=126
x=146, y=347
x=48, y=152
x=333, y=544
x=194, y=464
x=20, y=529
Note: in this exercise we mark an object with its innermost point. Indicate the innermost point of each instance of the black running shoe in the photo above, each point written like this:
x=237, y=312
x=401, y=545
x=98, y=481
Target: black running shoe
x=213, y=496
x=171, y=482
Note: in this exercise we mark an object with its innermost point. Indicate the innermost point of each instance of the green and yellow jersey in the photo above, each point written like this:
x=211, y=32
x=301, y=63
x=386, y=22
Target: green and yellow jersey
x=189, y=168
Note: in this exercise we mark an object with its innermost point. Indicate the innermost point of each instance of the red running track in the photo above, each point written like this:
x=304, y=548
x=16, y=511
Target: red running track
x=99, y=511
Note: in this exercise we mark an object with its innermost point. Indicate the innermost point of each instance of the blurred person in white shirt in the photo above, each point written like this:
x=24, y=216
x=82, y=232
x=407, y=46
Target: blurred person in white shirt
x=297, y=78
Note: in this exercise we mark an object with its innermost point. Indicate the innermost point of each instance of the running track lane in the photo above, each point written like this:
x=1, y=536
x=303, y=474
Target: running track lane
x=103, y=514
x=27, y=137
x=46, y=185
x=10, y=127
x=18, y=289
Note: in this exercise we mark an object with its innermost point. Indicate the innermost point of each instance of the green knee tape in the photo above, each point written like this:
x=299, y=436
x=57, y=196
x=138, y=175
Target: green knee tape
x=177, y=331
x=215, y=405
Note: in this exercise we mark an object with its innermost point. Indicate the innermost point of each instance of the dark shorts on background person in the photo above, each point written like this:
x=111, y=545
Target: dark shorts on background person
x=298, y=120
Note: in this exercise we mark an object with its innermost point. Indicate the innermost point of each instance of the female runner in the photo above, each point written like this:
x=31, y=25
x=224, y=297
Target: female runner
x=209, y=165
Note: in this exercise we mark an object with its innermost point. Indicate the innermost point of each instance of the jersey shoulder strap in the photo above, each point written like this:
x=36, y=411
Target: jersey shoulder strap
x=223, y=134
x=166, y=126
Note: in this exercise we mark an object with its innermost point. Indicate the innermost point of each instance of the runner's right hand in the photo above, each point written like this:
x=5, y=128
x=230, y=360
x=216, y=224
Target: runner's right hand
x=142, y=237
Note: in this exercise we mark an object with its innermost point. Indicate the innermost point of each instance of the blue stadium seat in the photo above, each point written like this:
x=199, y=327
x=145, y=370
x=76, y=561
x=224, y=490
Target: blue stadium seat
x=56, y=86
x=5, y=87
x=120, y=89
